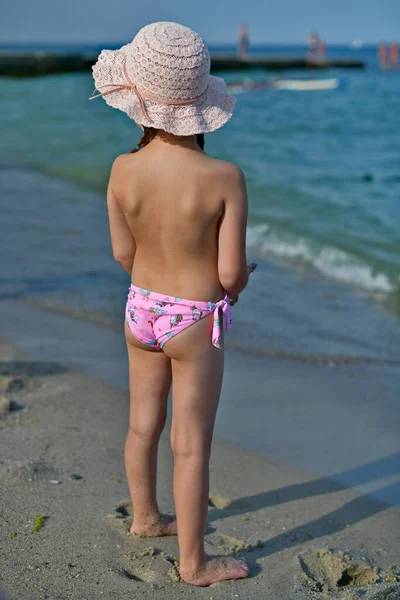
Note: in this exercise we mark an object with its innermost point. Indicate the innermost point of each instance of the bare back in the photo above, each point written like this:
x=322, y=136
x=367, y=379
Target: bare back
x=173, y=199
x=178, y=220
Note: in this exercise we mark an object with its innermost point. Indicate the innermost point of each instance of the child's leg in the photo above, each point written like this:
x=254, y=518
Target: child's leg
x=197, y=368
x=149, y=382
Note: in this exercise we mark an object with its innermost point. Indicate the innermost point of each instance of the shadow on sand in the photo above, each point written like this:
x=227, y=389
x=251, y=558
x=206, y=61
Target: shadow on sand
x=354, y=511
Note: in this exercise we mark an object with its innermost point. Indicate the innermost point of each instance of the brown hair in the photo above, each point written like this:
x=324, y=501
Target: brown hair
x=150, y=132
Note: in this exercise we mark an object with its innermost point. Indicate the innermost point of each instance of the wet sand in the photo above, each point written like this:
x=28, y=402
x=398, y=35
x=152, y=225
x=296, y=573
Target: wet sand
x=337, y=420
x=61, y=442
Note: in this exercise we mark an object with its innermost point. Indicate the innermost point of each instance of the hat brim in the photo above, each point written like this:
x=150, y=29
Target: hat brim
x=212, y=112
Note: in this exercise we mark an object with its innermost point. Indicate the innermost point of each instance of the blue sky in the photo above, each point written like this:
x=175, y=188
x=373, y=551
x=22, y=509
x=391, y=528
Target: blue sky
x=98, y=21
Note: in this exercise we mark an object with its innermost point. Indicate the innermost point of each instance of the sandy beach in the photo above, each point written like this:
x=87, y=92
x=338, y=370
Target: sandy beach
x=61, y=443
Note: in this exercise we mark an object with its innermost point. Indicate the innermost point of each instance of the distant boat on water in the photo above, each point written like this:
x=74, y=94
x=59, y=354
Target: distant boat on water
x=357, y=44
x=296, y=85
x=308, y=85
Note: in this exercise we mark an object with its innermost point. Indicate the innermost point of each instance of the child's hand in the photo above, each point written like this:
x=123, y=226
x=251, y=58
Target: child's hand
x=251, y=267
x=233, y=298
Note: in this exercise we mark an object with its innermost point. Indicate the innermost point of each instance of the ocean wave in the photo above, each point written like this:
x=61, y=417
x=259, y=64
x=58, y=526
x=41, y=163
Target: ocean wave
x=328, y=260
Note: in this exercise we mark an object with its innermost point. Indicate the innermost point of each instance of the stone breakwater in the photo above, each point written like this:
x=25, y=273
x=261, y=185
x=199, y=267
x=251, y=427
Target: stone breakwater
x=16, y=64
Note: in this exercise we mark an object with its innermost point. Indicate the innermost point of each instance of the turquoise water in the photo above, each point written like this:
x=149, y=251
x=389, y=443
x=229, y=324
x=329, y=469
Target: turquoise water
x=323, y=175
x=322, y=168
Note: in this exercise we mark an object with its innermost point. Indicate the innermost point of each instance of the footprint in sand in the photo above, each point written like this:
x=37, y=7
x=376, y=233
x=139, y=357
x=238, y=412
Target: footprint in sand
x=327, y=571
x=229, y=544
x=122, y=516
x=150, y=566
x=143, y=564
x=232, y=545
x=219, y=502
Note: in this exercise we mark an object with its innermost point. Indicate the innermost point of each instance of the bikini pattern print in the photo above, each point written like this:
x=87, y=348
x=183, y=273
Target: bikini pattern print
x=132, y=314
x=154, y=319
x=196, y=313
x=145, y=294
x=175, y=320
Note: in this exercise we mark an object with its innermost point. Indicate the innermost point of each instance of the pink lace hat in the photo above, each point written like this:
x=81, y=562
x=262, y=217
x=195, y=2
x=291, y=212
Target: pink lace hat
x=162, y=79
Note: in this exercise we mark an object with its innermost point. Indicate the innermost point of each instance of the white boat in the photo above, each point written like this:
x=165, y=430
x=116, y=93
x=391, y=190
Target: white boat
x=357, y=44
x=307, y=85
x=237, y=88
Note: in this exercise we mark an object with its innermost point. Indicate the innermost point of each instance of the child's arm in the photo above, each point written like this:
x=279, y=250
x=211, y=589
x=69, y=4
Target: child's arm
x=232, y=264
x=122, y=240
x=251, y=267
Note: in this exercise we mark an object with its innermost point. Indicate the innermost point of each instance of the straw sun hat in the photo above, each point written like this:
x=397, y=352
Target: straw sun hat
x=162, y=79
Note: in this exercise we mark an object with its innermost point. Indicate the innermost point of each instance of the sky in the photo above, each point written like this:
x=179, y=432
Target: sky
x=217, y=21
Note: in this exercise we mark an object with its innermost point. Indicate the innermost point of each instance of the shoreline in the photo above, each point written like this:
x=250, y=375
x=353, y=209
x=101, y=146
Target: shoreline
x=389, y=299
x=329, y=360
x=328, y=323
x=263, y=399
x=62, y=457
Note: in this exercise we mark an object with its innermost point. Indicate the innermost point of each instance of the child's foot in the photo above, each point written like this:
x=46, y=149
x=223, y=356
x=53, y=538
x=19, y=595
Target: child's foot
x=219, y=568
x=165, y=525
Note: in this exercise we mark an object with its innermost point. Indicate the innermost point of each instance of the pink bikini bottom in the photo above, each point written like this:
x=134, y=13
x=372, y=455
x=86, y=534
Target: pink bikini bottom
x=154, y=318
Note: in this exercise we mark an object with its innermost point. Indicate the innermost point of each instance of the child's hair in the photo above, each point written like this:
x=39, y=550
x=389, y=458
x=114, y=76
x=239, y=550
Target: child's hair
x=150, y=132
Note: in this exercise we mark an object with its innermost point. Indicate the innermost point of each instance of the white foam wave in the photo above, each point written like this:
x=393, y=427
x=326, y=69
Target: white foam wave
x=330, y=261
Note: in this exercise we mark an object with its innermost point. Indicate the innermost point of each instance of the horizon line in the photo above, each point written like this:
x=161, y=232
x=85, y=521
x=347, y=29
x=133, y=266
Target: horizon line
x=14, y=42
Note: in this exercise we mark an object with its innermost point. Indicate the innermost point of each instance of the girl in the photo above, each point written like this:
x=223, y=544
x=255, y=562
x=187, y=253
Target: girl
x=178, y=227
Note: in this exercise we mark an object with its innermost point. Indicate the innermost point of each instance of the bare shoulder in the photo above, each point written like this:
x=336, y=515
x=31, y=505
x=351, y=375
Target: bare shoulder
x=119, y=175
x=121, y=172
x=121, y=162
x=228, y=168
x=227, y=172
x=229, y=179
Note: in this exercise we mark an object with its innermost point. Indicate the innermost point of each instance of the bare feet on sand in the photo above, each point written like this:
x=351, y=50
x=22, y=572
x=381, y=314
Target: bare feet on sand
x=165, y=525
x=218, y=568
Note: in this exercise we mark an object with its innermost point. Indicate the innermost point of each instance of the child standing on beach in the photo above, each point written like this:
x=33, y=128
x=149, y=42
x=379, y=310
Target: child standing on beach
x=178, y=227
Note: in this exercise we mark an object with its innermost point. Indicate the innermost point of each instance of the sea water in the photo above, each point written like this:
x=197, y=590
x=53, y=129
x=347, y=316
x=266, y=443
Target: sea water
x=323, y=177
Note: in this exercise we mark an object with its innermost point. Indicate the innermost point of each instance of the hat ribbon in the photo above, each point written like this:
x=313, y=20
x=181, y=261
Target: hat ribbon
x=117, y=87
